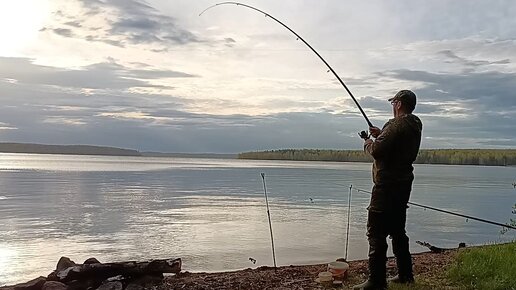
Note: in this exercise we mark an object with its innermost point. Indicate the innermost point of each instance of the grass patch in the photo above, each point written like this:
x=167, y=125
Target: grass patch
x=488, y=267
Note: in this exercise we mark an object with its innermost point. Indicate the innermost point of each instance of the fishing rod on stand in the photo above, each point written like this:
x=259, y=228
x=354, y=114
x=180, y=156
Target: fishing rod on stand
x=269, y=216
x=349, y=213
x=448, y=212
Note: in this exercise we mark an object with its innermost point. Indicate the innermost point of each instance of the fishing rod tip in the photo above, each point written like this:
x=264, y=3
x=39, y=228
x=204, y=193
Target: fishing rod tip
x=209, y=8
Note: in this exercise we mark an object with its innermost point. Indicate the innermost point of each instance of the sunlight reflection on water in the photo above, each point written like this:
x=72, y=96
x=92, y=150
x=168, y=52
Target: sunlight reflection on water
x=211, y=212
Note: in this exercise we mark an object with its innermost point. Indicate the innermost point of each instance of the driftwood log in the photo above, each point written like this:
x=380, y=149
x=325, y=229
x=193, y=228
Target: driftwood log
x=435, y=249
x=99, y=271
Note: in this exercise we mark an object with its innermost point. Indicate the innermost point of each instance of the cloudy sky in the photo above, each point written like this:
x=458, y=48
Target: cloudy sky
x=155, y=76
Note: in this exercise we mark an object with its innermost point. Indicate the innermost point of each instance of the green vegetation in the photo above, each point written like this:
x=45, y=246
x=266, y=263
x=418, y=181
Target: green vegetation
x=489, y=267
x=309, y=155
x=499, y=157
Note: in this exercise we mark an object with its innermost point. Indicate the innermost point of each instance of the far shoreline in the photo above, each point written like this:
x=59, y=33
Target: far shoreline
x=472, y=157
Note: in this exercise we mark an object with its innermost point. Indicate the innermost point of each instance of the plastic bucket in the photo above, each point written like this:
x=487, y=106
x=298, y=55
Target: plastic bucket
x=339, y=270
x=325, y=278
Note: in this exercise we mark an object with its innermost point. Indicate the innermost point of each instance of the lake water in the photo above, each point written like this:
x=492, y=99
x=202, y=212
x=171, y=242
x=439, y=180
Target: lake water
x=211, y=212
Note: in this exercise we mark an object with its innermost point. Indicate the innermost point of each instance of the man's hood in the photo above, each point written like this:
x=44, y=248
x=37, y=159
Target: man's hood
x=413, y=122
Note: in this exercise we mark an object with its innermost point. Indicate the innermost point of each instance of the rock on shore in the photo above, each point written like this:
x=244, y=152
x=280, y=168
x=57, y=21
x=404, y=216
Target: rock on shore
x=93, y=274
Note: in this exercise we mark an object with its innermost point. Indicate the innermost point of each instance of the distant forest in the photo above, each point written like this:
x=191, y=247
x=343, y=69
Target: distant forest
x=498, y=157
x=65, y=149
x=97, y=150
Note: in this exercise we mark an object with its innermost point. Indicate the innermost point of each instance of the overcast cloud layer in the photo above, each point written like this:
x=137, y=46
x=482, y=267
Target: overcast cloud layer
x=155, y=76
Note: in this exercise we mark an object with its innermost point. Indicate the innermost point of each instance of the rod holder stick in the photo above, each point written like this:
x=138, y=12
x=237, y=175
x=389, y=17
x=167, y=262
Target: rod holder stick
x=269, y=217
x=349, y=212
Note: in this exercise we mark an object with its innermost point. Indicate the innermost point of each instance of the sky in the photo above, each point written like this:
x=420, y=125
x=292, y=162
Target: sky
x=155, y=76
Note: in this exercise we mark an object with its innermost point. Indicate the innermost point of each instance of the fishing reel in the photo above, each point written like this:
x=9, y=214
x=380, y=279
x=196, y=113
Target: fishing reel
x=364, y=135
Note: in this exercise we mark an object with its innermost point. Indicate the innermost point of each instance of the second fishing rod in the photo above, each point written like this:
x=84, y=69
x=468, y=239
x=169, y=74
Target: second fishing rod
x=482, y=220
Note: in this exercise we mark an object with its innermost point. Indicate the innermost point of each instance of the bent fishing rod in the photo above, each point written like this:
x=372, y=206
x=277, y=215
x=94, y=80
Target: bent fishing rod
x=449, y=212
x=309, y=46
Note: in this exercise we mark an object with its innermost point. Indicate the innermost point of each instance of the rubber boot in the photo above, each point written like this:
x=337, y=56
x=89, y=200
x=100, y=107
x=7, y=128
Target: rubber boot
x=371, y=285
x=376, y=279
x=403, y=260
x=401, y=279
x=405, y=275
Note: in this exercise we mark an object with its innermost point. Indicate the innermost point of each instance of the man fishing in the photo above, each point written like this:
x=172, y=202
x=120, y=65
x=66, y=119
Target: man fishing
x=394, y=149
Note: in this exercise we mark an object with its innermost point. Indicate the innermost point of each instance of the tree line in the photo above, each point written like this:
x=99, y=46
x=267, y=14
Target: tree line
x=497, y=157
x=66, y=149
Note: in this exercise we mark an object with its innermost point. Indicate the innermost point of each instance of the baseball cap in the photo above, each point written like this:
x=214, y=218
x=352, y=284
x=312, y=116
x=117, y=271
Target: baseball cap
x=407, y=97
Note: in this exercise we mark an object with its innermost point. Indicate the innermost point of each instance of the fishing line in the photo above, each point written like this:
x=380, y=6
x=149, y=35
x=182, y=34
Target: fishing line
x=309, y=46
x=449, y=212
x=269, y=216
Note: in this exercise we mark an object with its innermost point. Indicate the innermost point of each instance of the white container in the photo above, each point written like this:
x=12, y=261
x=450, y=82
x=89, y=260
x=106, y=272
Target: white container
x=325, y=277
x=338, y=270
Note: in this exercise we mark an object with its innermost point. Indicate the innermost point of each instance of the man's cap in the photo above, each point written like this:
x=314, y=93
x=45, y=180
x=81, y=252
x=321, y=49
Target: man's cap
x=407, y=97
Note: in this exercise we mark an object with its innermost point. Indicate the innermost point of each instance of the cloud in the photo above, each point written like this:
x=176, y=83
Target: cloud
x=64, y=121
x=229, y=42
x=48, y=114
x=63, y=32
x=76, y=24
x=70, y=106
x=470, y=63
x=126, y=22
x=478, y=110
x=112, y=42
x=446, y=20
x=462, y=67
x=101, y=76
x=156, y=74
x=162, y=122
x=491, y=90
x=212, y=133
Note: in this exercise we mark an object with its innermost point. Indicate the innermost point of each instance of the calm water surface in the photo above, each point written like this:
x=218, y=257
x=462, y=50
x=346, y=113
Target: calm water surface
x=211, y=212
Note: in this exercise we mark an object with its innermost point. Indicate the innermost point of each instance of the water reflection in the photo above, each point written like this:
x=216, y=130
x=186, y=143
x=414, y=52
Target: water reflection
x=211, y=213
